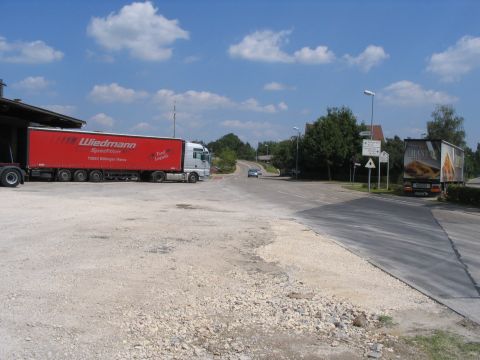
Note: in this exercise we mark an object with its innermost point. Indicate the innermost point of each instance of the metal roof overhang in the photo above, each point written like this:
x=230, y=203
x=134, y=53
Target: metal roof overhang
x=10, y=109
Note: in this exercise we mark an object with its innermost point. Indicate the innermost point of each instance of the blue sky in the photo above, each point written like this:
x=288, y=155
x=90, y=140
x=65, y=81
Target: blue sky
x=255, y=68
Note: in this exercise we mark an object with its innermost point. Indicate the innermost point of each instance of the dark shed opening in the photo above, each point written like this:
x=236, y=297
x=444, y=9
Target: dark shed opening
x=16, y=117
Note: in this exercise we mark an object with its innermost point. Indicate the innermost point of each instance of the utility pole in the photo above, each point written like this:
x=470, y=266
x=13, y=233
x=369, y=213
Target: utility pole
x=2, y=84
x=174, y=116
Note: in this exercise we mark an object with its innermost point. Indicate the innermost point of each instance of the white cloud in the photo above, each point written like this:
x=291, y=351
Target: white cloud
x=191, y=59
x=266, y=46
x=370, y=57
x=138, y=29
x=200, y=100
x=276, y=86
x=115, y=93
x=282, y=106
x=254, y=105
x=61, y=109
x=33, y=83
x=457, y=60
x=262, y=46
x=192, y=100
x=407, y=93
x=320, y=55
x=259, y=129
x=103, y=120
x=35, y=52
x=143, y=127
x=245, y=125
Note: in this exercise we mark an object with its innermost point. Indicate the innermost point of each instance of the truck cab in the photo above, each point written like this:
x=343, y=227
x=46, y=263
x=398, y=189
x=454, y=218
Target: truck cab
x=197, y=161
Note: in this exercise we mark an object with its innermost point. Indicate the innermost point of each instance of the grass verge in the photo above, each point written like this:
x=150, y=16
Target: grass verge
x=442, y=345
x=393, y=188
x=386, y=321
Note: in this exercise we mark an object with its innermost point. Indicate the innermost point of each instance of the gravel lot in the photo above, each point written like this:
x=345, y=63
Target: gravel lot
x=181, y=271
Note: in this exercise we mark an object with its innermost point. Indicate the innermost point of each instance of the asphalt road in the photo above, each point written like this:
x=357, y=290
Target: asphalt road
x=433, y=247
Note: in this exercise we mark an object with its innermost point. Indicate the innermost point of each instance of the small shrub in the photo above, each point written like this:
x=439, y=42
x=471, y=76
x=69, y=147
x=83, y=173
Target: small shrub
x=386, y=320
x=463, y=195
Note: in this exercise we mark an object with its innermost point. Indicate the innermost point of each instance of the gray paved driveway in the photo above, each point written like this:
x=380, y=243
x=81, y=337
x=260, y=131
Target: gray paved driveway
x=433, y=247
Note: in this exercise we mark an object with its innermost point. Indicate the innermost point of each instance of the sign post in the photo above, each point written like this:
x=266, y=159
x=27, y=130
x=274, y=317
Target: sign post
x=388, y=170
x=369, y=165
x=385, y=158
x=371, y=148
x=379, y=173
x=354, y=167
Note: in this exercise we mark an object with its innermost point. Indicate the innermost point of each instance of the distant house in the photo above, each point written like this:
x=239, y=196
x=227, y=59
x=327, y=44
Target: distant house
x=378, y=133
x=266, y=158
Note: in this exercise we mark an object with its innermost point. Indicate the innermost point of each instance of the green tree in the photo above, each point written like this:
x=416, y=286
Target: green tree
x=267, y=147
x=395, y=148
x=477, y=160
x=446, y=125
x=228, y=141
x=472, y=162
x=232, y=142
x=227, y=160
x=284, y=155
x=332, y=141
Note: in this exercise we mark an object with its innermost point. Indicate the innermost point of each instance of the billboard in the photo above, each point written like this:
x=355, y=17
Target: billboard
x=452, y=163
x=90, y=150
x=422, y=159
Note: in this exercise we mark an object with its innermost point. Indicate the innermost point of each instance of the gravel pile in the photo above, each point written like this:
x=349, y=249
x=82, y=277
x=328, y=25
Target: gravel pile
x=252, y=321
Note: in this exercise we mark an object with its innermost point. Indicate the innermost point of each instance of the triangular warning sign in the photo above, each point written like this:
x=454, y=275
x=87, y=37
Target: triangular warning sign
x=370, y=164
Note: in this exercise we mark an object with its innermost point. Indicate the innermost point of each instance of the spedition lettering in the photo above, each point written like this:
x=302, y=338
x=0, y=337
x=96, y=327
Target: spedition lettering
x=106, y=143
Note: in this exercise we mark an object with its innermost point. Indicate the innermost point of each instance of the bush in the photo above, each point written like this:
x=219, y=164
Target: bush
x=464, y=195
x=226, y=161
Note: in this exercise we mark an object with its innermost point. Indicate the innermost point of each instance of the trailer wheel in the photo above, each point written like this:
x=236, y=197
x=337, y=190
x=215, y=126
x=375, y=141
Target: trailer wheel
x=192, y=178
x=80, y=176
x=64, y=175
x=96, y=176
x=10, y=178
x=158, y=176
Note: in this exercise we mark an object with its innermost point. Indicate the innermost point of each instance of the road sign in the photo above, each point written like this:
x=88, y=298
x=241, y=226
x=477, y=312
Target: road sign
x=384, y=157
x=364, y=133
x=370, y=164
x=357, y=164
x=371, y=147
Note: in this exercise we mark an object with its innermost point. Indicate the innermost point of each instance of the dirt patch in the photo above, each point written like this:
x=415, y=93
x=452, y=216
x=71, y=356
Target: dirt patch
x=225, y=282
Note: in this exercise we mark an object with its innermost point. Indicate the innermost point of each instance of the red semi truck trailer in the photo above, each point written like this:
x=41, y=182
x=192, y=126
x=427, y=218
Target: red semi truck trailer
x=66, y=155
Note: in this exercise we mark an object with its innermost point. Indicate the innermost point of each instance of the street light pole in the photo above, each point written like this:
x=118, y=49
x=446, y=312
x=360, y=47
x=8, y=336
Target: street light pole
x=372, y=94
x=296, y=160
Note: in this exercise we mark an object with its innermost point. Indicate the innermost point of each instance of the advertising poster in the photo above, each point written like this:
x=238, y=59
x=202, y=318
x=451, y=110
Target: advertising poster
x=452, y=164
x=422, y=159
